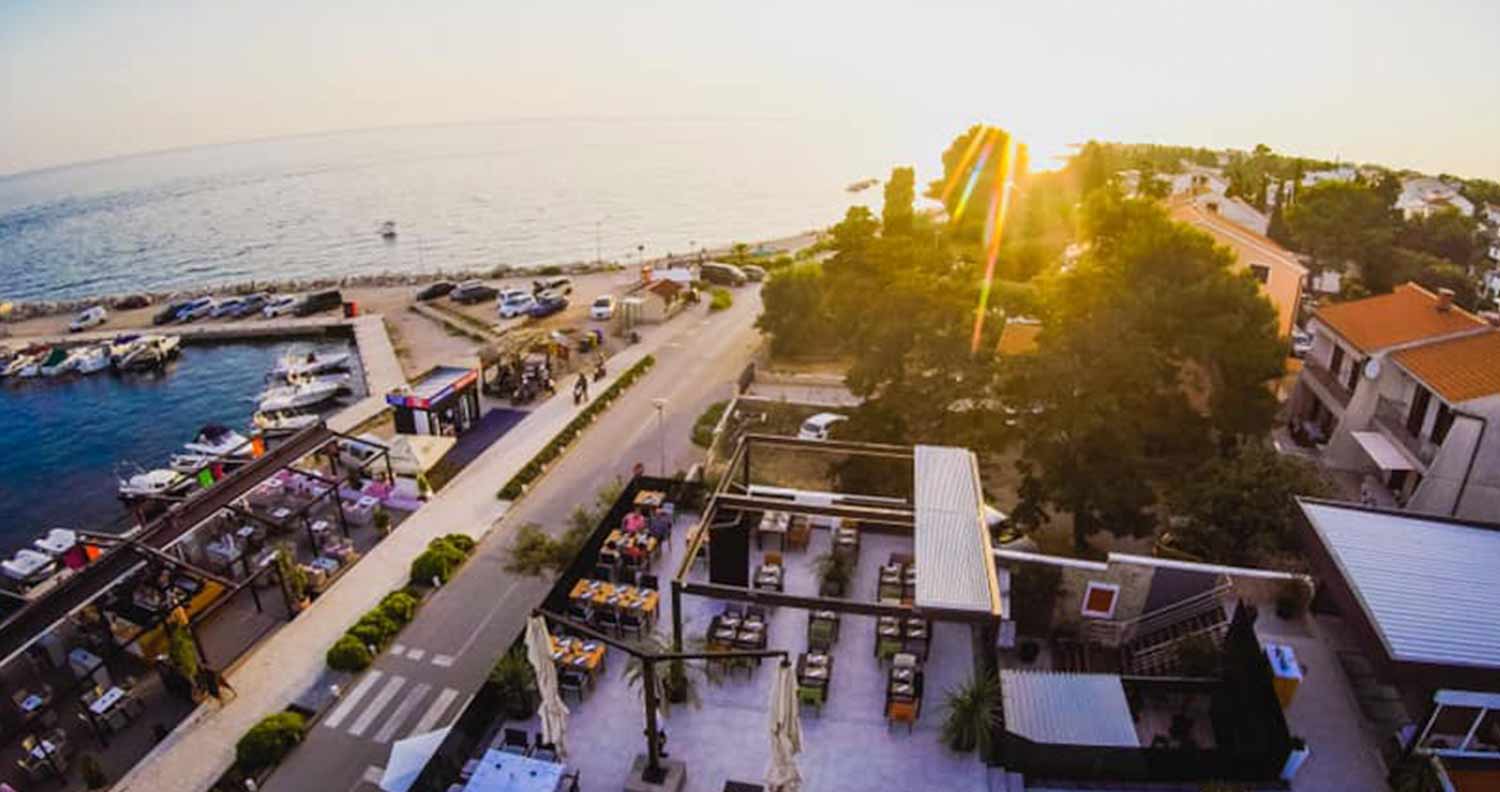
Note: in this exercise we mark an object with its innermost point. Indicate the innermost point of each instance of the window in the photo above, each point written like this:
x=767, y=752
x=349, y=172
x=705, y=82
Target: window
x=1261, y=272
x=1442, y=423
x=1099, y=600
x=1336, y=361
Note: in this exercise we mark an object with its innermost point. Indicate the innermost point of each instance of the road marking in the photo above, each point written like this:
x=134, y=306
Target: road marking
x=442, y=661
x=397, y=649
x=413, y=698
x=501, y=603
x=373, y=774
x=416, y=654
x=376, y=705
x=435, y=711
x=352, y=699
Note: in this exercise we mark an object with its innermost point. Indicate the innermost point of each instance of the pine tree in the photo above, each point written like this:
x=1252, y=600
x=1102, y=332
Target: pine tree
x=1277, y=229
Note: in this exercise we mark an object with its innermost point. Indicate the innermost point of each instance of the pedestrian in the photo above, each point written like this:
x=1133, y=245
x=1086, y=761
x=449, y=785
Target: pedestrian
x=583, y=383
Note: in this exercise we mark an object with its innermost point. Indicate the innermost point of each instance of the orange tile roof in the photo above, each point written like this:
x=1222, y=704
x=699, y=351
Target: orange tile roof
x=1407, y=314
x=1019, y=337
x=1459, y=369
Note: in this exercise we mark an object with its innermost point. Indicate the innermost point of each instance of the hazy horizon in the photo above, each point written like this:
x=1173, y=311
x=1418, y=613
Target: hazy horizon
x=1407, y=88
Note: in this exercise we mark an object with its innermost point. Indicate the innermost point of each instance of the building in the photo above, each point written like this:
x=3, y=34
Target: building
x=1345, y=173
x=1425, y=195
x=662, y=300
x=1019, y=335
x=1405, y=388
x=443, y=401
x=1280, y=274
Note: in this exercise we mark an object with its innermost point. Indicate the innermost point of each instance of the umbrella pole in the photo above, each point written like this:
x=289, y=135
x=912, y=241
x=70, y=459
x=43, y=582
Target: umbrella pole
x=653, y=774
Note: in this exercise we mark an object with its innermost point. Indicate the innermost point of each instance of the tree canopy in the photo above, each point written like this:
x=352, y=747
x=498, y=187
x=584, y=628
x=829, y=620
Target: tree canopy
x=1239, y=509
x=900, y=191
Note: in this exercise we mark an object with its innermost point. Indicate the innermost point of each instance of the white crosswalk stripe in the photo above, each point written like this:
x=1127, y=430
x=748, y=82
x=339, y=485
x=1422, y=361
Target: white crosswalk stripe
x=351, y=699
x=362, y=723
x=442, y=660
x=397, y=649
x=416, y=654
x=413, y=697
x=435, y=711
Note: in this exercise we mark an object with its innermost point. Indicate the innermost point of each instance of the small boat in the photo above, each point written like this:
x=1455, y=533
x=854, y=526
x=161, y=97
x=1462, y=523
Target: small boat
x=862, y=184
x=192, y=463
x=28, y=567
x=59, y=361
x=56, y=542
x=218, y=440
x=121, y=345
x=297, y=364
x=303, y=392
x=151, y=352
x=17, y=364
x=388, y=229
x=154, y=483
x=91, y=359
x=283, y=420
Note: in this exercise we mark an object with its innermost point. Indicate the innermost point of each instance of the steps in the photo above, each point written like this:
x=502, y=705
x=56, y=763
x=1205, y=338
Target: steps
x=1155, y=653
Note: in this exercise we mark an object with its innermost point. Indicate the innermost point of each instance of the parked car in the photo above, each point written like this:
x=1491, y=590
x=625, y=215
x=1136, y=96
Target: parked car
x=819, y=426
x=169, y=314
x=515, y=302
x=250, y=305
x=722, y=274
x=603, y=307
x=318, y=302
x=435, y=290
x=753, y=273
x=226, y=307
x=1302, y=342
x=548, y=303
x=560, y=284
x=280, y=305
x=470, y=292
x=89, y=317
x=196, y=309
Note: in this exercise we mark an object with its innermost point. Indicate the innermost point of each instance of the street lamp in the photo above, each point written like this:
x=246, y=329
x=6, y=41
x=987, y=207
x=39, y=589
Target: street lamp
x=661, y=435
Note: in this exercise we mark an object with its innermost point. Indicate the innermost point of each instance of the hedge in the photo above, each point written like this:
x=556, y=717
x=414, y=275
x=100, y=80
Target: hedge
x=554, y=448
x=721, y=299
x=355, y=649
x=443, y=556
x=268, y=742
x=348, y=653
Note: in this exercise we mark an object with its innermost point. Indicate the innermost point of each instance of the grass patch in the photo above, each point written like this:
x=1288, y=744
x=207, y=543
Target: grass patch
x=720, y=299
x=703, y=428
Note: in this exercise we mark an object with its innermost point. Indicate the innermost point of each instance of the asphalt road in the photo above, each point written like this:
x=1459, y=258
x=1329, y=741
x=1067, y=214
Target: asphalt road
x=446, y=652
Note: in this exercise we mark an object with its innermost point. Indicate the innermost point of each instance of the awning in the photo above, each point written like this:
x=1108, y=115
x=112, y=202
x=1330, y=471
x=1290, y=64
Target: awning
x=1385, y=455
x=1068, y=709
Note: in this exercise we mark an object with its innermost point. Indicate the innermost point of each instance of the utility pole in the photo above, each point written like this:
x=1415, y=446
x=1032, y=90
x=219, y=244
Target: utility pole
x=598, y=259
x=661, y=435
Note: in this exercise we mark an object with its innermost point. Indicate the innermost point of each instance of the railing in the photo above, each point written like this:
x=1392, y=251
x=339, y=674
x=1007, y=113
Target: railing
x=1327, y=382
x=1390, y=416
x=1119, y=633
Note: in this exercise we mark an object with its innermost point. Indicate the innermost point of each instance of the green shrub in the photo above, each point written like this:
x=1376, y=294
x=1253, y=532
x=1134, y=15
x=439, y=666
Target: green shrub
x=375, y=628
x=399, y=606
x=181, y=652
x=464, y=543
x=348, y=653
x=720, y=300
x=550, y=269
x=268, y=742
x=703, y=428
x=438, y=562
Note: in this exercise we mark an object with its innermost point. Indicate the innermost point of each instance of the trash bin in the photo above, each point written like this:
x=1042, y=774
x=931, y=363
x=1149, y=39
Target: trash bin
x=351, y=310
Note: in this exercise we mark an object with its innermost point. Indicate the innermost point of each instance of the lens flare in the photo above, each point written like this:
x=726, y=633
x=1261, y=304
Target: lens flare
x=964, y=163
x=994, y=229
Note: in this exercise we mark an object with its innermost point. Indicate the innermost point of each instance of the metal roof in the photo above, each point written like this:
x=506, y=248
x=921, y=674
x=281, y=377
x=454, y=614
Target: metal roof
x=955, y=568
x=1067, y=709
x=1427, y=585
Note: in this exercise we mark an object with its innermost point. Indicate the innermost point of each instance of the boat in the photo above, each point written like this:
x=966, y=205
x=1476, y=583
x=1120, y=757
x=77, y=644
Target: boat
x=153, y=483
x=121, y=345
x=192, y=463
x=56, y=542
x=297, y=364
x=283, y=420
x=388, y=229
x=59, y=361
x=92, y=359
x=17, y=364
x=862, y=184
x=218, y=440
x=28, y=567
x=151, y=352
x=302, y=392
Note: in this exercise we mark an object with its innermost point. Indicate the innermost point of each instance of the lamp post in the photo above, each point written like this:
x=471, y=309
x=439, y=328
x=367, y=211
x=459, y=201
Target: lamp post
x=598, y=224
x=661, y=435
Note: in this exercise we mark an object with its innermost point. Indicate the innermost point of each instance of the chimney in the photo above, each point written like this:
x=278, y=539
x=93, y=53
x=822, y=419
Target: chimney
x=1493, y=317
x=1445, y=300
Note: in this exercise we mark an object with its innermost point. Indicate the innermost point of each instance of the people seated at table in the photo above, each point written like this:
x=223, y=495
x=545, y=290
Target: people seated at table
x=634, y=522
x=661, y=525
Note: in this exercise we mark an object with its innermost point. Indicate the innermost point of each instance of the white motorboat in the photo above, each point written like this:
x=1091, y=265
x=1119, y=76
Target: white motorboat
x=218, y=440
x=192, y=463
x=29, y=567
x=122, y=345
x=56, y=541
x=152, y=351
x=90, y=359
x=151, y=484
x=283, y=420
x=297, y=364
x=17, y=364
x=59, y=362
x=302, y=392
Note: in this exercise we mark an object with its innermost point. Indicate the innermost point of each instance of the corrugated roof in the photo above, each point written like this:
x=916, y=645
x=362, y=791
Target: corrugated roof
x=1459, y=369
x=1067, y=709
x=1427, y=586
x=1405, y=315
x=1018, y=337
x=955, y=569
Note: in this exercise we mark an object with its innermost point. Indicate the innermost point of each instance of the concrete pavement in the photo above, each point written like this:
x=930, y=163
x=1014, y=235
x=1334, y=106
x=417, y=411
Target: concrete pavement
x=469, y=619
x=442, y=658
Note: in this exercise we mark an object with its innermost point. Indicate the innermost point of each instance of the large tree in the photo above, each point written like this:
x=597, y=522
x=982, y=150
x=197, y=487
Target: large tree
x=794, y=315
x=900, y=191
x=1447, y=234
x=1343, y=223
x=1239, y=509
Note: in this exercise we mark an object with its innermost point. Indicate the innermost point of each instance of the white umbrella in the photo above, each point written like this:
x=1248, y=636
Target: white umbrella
x=407, y=759
x=786, y=733
x=553, y=712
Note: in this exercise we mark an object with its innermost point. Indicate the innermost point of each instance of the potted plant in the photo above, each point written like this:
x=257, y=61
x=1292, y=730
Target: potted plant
x=1292, y=600
x=382, y=520
x=834, y=572
x=970, y=723
x=92, y=772
x=424, y=487
x=292, y=578
x=676, y=680
x=515, y=683
x=182, y=656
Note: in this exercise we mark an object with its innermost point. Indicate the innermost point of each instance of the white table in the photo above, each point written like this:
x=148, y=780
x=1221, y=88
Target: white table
x=42, y=750
x=507, y=772
x=32, y=703
x=281, y=514
x=84, y=663
x=106, y=701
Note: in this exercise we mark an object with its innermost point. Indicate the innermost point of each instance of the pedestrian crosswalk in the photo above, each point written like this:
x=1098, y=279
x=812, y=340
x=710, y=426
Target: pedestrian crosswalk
x=382, y=706
x=418, y=655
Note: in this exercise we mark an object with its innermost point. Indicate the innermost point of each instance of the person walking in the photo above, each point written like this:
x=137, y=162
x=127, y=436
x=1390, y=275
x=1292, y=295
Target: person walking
x=583, y=385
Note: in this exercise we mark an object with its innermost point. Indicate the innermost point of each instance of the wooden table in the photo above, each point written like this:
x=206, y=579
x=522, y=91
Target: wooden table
x=651, y=498
x=600, y=593
x=775, y=524
x=641, y=539
x=575, y=653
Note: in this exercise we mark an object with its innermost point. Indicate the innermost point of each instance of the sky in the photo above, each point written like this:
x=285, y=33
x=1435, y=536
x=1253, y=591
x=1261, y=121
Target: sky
x=1409, y=85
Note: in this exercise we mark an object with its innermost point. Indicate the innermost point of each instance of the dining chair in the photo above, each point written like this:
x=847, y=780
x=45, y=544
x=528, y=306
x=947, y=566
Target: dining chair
x=607, y=618
x=516, y=741
x=605, y=572
x=648, y=581
x=544, y=751
x=570, y=682
x=904, y=660
x=901, y=712
x=755, y=613
x=571, y=780
x=632, y=621
x=811, y=697
x=773, y=558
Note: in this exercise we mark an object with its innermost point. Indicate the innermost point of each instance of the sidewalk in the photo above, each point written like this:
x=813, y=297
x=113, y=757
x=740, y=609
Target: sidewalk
x=288, y=663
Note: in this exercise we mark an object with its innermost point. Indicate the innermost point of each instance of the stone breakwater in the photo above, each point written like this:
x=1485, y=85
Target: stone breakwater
x=20, y=311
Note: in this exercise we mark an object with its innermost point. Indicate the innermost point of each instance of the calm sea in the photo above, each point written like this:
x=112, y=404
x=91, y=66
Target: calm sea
x=519, y=193
x=63, y=442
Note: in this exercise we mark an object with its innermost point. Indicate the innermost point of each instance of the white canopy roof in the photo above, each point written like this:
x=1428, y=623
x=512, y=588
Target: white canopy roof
x=1068, y=709
x=955, y=568
x=1382, y=451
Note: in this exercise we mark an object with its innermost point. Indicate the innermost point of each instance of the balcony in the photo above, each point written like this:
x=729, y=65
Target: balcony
x=1390, y=416
x=1335, y=395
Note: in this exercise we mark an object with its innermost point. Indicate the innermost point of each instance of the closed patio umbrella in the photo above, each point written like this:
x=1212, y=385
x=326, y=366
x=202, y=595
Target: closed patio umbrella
x=786, y=733
x=553, y=712
x=407, y=759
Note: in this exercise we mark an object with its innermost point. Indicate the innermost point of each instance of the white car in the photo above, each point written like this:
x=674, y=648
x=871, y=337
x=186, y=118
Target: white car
x=515, y=302
x=92, y=317
x=603, y=307
x=278, y=306
x=818, y=426
x=197, y=309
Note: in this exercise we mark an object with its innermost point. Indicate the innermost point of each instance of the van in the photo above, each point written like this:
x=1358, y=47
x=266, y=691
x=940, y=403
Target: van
x=559, y=284
x=818, y=426
x=93, y=317
x=721, y=274
x=318, y=302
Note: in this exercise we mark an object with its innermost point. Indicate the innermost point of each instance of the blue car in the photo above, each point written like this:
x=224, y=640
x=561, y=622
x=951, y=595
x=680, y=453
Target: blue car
x=548, y=304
